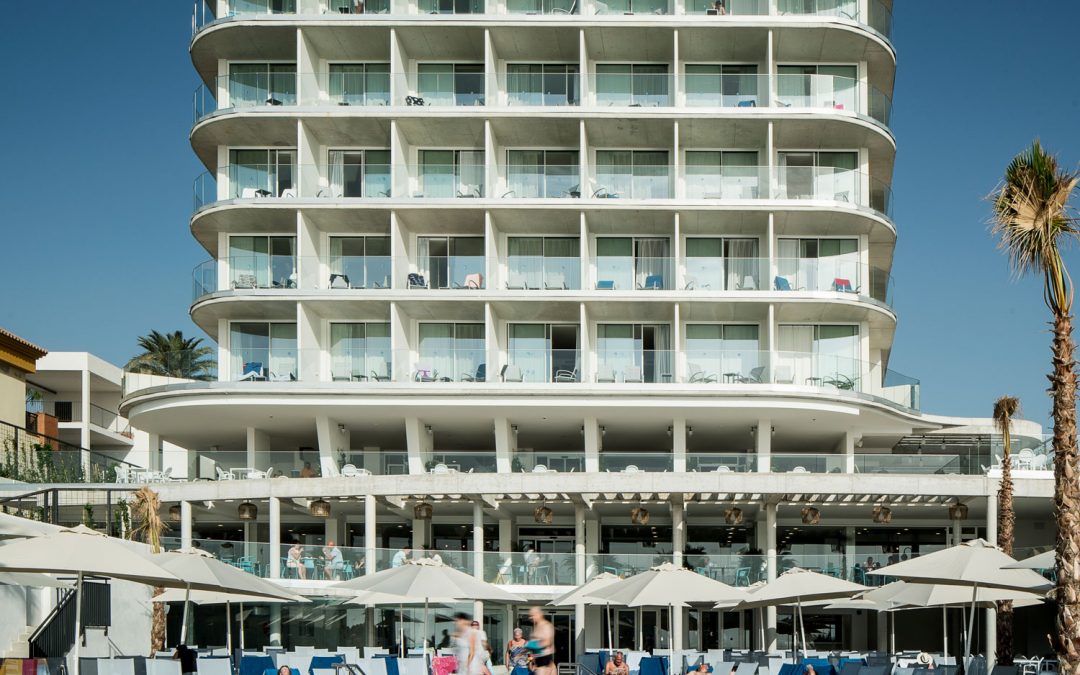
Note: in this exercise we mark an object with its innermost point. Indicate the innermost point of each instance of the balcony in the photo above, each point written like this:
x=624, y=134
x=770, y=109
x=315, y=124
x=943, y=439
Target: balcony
x=446, y=181
x=620, y=181
x=534, y=272
x=443, y=272
x=704, y=462
x=634, y=366
x=623, y=273
x=528, y=181
x=444, y=364
x=246, y=90
x=636, y=462
x=444, y=87
x=542, y=86
x=723, y=90
x=831, y=92
x=632, y=89
x=542, y=365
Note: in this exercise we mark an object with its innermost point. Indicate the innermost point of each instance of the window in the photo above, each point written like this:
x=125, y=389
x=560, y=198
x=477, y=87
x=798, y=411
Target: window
x=633, y=263
x=263, y=351
x=451, y=173
x=634, y=353
x=359, y=83
x=547, y=84
x=262, y=262
x=828, y=353
x=451, y=262
x=542, y=173
x=625, y=84
x=262, y=173
x=820, y=264
x=451, y=351
x=359, y=173
x=724, y=353
x=451, y=83
x=544, y=352
x=634, y=174
x=728, y=86
x=817, y=86
x=363, y=262
x=552, y=263
x=722, y=264
x=360, y=351
x=252, y=84
x=819, y=175
x=723, y=174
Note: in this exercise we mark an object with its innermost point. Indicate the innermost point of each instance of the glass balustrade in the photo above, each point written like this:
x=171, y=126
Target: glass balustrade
x=445, y=364
x=816, y=91
x=357, y=7
x=705, y=181
x=619, y=181
x=623, y=564
x=539, y=461
x=461, y=461
x=622, y=273
x=709, y=86
x=537, y=182
x=542, y=364
x=720, y=463
x=807, y=463
x=446, y=181
x=529, y=568
x=716, y=273
x=622, y=88
x=635, y=366
x=541, y=85
x=636, y=462
x=838, y=274
x=533, y=273
x=443, y=85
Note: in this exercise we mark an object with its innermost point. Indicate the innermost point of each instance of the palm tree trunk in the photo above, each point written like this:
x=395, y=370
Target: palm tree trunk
x=157, y=626
x=1066, y=497
x=1006, y=523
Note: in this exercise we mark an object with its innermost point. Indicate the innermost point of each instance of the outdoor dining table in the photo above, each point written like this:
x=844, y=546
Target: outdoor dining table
x=241, y=472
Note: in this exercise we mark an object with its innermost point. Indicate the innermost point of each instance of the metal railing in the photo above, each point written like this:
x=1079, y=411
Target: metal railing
x=56, y=635
x=31, y=457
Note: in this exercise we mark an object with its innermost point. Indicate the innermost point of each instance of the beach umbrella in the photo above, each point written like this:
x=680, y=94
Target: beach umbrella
x=973, y=565
x=670, y=586
x=798, y=587
x=83, y=552
x=15, y=526
x=220, y=598
x=1043, y=561
x=428, y=581
x=579, y=596
x=31, y=579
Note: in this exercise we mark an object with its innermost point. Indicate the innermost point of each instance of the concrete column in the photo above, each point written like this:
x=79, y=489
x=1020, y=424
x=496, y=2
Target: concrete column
x=333, y=443
x=275, y=625
x=276, y=552
x=419, y=444
x=478, y=540
x=592, y=545
x=419, y=533
x=154, y=458
x=258, y=445
x=770, y=573
x=957, y=531
x=678, y=532
x=990, y=648
x=678, y=444
x=763, y=445
x=505, y=445
x=506, y=535
x=849, y=440
x=84, y=412
x=250, y=545
x=592, y=445
x=579, y=544
x=185, y=524
x=370, y=554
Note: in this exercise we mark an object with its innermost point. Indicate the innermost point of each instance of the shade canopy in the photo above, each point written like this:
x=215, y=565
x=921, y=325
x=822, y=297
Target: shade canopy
x=431, y=581
x=973, y=563
x=665, y=585
x=14, y=526
x=32, y=580
x=202, y=571
x=217, y=597
x=799, y=586
x=1043, y=561
x=579, y=594
x=92, y=554
x=906, y=595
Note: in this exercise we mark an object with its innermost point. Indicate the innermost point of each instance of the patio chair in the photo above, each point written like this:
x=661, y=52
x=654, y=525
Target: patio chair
x=843, y=286
x=123, y=475
x=699, y=376
x=253, y=370
x=416, y=281
x=245, y=281
x=566, y=375
x=380, y=372
x=747, y=103
x=517, y=283
x=754, y=377
x=414, y=100
x=783, y=375
x=653, y=282
x=223, y=474
x=425, y=373
x=479, y=376
x=693, y=285
x=632, y=374
x=440, y=468
x=782, y=284
x=605, y=285
x=605, y=374
x=474, y=281
x=560, y=10
x=340, y=281
x=557, y=283
x=512, y=374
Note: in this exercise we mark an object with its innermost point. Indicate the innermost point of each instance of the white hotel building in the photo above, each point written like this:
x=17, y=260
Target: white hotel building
x=540, y=265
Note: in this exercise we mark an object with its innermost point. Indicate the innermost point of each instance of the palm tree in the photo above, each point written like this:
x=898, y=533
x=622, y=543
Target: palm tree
x=145, y=508
x=1004, y=410
x=173, y=355
x=1033, y=218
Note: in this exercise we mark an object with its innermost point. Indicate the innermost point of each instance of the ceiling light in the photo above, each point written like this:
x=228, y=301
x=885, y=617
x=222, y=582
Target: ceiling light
x=174, y=513
x=247, y=511
x=320, y=508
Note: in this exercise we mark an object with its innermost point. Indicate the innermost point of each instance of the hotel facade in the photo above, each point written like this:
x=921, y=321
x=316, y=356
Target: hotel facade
x=550, y=288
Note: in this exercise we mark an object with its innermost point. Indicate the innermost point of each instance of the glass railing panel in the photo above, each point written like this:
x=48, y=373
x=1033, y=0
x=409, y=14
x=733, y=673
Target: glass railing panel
x=733, y=569
x=634, y=273
x=844, y=9
x=728, y=7
x=632, y=7
x=356, y=88
x=353, y=181
x=539, y=461
x=712, y=273
x=542, y=89
x=566, y=7
x=443, y=181
x=529, y=181
x=725, y=182
x=370, y=272
x=637, y=182
x=253, y=181
x=462, y=272
x=246, y=90
x=633, y=90
x=827, y=371
x=277, y=364
x=880, y=106
x=634, y=366
x=912, y=464
x=705, y=365
x=632, y=462
x=357, y=7
x=461, y=364
x=819, y=182
x=443, y=88
x=720, y=463
x=451, y=6
x=880, y=18
x=241, y=8
x=839, y=274
x=529, y=568
x=817, y=91
x=374, y=364
x=531, y=273
x=204, y=190
x=807, y=463
x=461, y=462
x=724, y=91
x=624, y=564
x=542, y=364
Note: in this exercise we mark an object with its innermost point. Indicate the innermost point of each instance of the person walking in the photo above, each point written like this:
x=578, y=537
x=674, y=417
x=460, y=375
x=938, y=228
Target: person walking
x=542, y=642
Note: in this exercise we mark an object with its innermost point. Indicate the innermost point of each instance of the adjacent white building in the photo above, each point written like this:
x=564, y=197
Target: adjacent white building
x=555, y=287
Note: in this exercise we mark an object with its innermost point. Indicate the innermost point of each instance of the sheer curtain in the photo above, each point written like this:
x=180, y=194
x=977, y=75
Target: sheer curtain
x=743, y=266
x=529, y=347
x=651, y=176
x=437, y=173
x=652, y=262
x=470, y=170
x=524, y=83
x=469, y=349
x=524, y=172
x=703, y=85
x=436, y=350
x=614, y=171
x=614, y=82
x=249, y=262
x=615, y=261
x=705, y=264
x=562, y=262
x=796, y=352
x=526, y=262
x=663, y=357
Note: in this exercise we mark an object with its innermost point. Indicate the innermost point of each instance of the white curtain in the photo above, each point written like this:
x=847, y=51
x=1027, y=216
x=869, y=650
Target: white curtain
x=796, y=345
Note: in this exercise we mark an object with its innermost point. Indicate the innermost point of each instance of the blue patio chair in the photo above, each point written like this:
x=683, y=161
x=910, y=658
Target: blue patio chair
x=255, y=665
x=253, y=370
x=324, y=662
x=479, y=376
x=605, y=285
x=742, y=576
x=653, y=282
x=782, y=284
x=750, y=103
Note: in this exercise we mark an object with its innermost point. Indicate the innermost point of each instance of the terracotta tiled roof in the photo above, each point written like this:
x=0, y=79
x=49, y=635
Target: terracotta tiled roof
x=22, y=341
x=20, y=353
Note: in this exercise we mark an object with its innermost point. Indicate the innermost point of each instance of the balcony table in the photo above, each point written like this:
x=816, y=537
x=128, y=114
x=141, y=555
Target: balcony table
x=241, y=472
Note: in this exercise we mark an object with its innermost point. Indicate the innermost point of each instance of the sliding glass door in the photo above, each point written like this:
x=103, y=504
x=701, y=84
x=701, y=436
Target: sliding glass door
x=263, y=351
x=262, y=262
x=360, y=351
x=252, y=84
x=359, y=173
x=262, y=173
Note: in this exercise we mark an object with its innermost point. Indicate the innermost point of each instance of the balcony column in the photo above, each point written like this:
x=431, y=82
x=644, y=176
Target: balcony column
x=763, y=445
x=678, y=445
x=275, y=625
x=370, y=553
x=770, y=190
x=592, y=445
x=478, y=539
x=418, y=443
x=990, y=648
x=770, y=254
x=771, y=335
x=770, y=572
x=258, y=445
x=505, y=445
x=579, y=576
x=185, y=524
x=276, y=553
x=849, y=441
x=678, y=532
x=334, y=443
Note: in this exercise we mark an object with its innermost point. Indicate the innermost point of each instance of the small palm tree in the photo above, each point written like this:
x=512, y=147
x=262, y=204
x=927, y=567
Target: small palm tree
x=145, y=511
x=173, y=355
x=1004, y=409
x=1033, y=218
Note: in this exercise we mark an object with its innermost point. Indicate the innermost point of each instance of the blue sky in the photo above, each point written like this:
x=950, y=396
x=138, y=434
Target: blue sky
x=97, y=174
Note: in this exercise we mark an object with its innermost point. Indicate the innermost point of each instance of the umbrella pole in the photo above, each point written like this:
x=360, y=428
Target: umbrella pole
x=401, y=631
x=802, y=628
x=183, y=625
x=425, y=626
x=240, y=626
x=971, y=622
x=228, y=630
x=78, y=620
x=892, y=636
x=945, y=630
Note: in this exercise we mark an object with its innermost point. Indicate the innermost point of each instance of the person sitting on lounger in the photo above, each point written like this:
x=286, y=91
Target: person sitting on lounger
x=617, y=666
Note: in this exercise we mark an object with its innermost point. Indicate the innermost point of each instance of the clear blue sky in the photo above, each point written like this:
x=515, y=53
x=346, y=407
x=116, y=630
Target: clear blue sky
x=97, y=173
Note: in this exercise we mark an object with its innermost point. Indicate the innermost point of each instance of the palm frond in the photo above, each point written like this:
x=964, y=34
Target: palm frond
x=1005, y=408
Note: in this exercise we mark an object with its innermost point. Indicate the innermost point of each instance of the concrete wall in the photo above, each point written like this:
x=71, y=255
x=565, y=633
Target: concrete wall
x=12, y=396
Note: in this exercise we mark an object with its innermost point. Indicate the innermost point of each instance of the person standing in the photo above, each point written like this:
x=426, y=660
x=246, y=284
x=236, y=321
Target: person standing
x=542, y=642
x=517, y=654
